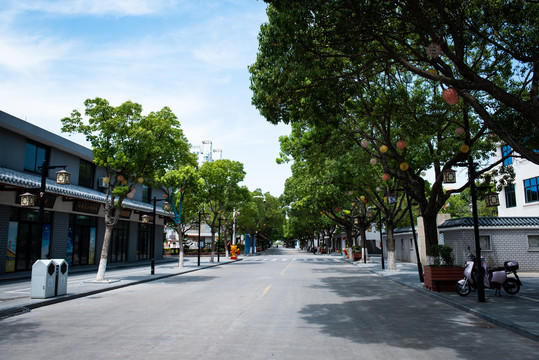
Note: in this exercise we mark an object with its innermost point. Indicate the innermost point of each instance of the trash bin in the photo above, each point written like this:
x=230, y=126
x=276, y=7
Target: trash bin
x=61, y=273
x=43, y=283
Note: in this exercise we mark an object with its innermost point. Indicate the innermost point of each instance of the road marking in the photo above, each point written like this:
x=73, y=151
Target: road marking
x=265, y=291
x=282, y=272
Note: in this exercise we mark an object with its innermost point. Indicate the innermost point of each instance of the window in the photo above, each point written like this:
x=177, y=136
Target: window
x=505, y=151
x=34, y=156
x=484, y=243
x=86, y=174
x=146, y=194
x=533, y=242
x=531, y=189
x=510, y=196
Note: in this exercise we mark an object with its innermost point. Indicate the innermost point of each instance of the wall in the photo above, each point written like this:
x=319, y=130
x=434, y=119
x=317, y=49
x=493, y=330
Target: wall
x=507, y=244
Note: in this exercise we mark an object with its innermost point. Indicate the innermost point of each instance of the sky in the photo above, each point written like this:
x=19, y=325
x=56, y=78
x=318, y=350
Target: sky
x=189, y=55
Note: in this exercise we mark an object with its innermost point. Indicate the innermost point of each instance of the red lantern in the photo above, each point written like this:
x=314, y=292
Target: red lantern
x=385, y=177
x=401, y=144
x=450, y=96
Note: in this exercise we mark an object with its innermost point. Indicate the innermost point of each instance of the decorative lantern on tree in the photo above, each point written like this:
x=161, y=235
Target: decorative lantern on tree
x=434, y=50
x=401, y=144
x=450, y=96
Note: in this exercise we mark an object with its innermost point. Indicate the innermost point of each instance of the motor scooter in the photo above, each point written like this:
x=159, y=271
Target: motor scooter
x=494, y=278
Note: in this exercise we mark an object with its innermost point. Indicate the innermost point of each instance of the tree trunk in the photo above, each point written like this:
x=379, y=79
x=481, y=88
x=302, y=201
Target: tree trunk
x=104, y=253
x=431, y=231
x=390, y=246
x=180, y=253
x=212, y=244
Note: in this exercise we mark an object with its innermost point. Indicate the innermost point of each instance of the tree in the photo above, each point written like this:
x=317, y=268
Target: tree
x=485, y=52
x=130, y=147
x=221, y=190
x=175, y=183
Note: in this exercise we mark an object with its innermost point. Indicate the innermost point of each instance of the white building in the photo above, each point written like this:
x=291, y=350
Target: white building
x=522, y=197
x=205, y=152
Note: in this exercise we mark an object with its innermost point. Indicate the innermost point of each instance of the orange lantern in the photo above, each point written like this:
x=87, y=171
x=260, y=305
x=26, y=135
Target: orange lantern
x=404, y=166
x=401, y=144
x=464, y=149
x=140, y=179
x=450, y=96
x=385, y=177
x=120, y=178
x=383, y=149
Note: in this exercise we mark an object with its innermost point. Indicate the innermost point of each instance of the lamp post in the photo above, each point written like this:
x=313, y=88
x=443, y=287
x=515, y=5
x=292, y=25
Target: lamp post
x=392, y=199
x=218, y=237
x=200, y=213
x=27, y=199
x=381, y=239
x=145, y=220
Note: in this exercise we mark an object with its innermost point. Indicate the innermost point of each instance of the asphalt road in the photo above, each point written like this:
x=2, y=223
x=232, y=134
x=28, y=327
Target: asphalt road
x=281, y=305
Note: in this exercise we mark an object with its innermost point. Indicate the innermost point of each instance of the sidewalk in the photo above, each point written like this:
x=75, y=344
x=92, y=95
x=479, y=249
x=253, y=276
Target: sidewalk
x=518, y=313
x=15, y=294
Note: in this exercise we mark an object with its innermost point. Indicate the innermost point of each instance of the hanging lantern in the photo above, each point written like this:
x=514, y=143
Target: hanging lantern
x=63, y=177
x=432, y=71
x=378, y=189
x=130, y=195
x=124, y=182
x=145, y=219
x=383, y=149
x=120, y=178
x=464, y=149
x=404, y=166
x=140, y=179
x=106, y=180
x=362, y=197
x=364, y=144
x=27, y=199
x=423, y=173
x=434, y=50
x=385, y=177
x=374, y=161
x=451, y=96
x=492, y=199
x=166, y=206
x=401, y=144
x=449, y=176
x=460, y=130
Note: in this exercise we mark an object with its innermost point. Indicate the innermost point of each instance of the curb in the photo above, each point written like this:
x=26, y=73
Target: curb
x=14, y=311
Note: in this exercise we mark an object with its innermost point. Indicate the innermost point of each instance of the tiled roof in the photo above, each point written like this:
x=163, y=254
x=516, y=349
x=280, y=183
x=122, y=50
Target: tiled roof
x=491, y=222
x=401, y=230
x=31, y=181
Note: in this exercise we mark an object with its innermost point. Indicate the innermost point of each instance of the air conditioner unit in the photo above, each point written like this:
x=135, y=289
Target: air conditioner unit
x=101, y=183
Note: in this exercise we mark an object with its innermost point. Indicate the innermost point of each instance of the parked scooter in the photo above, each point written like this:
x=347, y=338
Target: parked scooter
x=495, y=278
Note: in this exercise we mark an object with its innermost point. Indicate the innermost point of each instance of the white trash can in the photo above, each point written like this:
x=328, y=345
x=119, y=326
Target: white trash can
x=43, y=283
x=61, y=280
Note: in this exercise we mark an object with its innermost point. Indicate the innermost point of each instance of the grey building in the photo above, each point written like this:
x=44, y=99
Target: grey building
x=73, y=221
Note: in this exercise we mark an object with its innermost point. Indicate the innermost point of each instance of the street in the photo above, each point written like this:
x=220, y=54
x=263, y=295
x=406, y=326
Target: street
x=284, y=304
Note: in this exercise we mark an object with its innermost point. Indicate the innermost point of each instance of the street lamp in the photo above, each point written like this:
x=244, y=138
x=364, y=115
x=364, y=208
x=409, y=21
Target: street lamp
x=200, y=213
x=392, y=199
x=27, y=199
x=145, y=220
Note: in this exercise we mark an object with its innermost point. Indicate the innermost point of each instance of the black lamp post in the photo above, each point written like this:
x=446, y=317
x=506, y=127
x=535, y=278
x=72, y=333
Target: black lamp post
x=218, y=238
x=145, y=220
x=200, y=213
x=392, y=199
x=381, y=239
x=27, y=199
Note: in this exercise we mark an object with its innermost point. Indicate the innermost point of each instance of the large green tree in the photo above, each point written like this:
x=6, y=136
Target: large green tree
x=131, y=147
x=221, y=191
x=486, y=51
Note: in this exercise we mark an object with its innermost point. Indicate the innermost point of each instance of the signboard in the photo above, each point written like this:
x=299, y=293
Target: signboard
x=86, y=207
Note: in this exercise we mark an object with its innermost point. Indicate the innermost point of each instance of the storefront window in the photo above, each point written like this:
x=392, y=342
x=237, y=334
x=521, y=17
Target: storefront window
x=81, y=240
x=119, y=243
x=143, y=243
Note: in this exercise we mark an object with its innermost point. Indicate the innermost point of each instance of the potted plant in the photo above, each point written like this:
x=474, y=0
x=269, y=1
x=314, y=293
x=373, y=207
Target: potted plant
x=356, y=252
x=442, y=275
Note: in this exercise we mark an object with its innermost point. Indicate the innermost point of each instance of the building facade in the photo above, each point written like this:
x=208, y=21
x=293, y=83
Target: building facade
x=73, y=224
x=521, y=198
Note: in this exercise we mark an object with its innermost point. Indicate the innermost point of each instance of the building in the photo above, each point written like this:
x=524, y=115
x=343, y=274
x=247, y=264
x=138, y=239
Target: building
x=521, y=198
x=73, y=224
x=205, y=152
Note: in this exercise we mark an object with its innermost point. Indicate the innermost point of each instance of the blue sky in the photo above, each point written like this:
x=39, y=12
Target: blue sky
x=191, y=56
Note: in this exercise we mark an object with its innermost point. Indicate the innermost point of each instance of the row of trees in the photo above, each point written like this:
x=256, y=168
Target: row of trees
x=134, y=148
x=377, y=93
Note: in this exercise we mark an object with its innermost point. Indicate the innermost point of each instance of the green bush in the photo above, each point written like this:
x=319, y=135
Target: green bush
x=442, y=255
x=356, y=248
